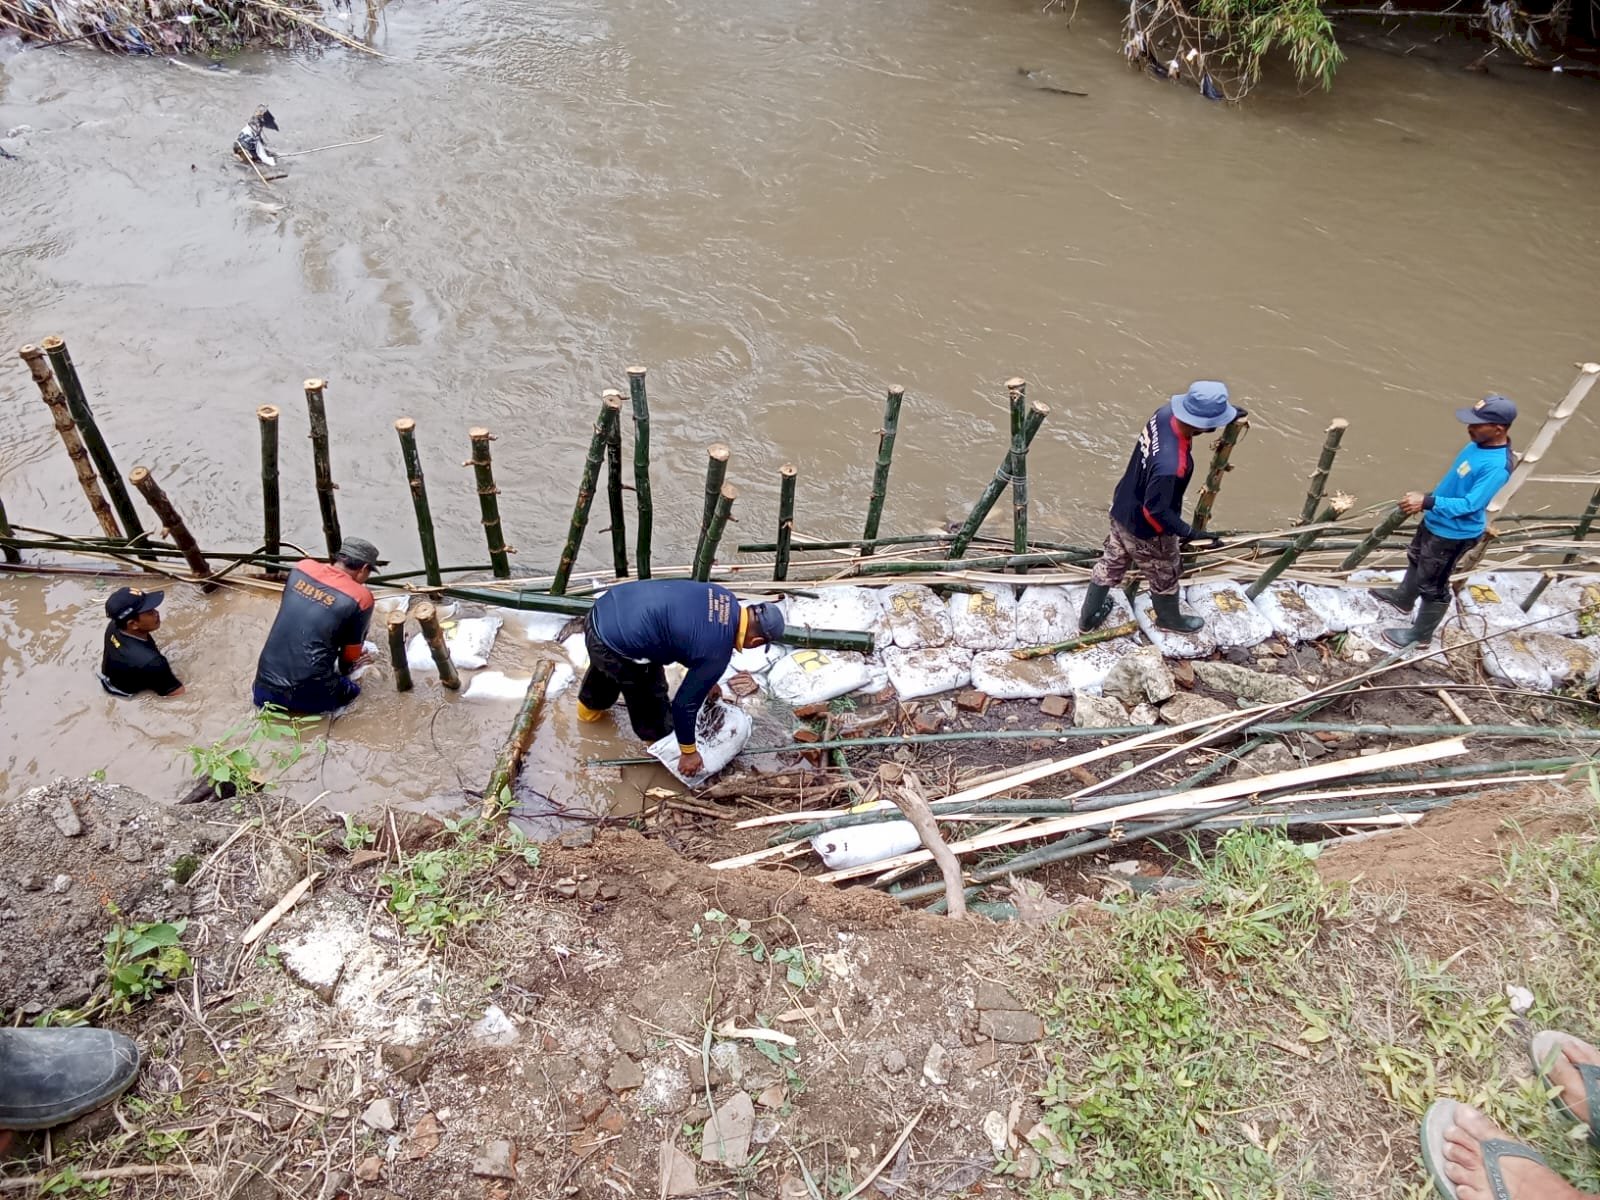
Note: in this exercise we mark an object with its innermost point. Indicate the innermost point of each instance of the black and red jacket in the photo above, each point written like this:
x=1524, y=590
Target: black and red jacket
x=1148, y=502
x=317, y=635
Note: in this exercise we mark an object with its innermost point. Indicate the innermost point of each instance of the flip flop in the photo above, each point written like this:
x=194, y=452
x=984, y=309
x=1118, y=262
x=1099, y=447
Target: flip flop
x=1544, y=1047
x=1440, y=1116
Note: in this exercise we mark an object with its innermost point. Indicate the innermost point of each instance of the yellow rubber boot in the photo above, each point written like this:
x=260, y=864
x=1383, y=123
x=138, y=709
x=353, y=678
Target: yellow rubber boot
x=589, y=715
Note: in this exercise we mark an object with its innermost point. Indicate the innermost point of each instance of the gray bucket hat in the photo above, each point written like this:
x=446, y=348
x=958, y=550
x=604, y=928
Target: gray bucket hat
x=1205, y=405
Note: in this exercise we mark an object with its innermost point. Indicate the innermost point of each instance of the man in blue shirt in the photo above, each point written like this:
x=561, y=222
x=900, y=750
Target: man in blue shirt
x=1452, y=518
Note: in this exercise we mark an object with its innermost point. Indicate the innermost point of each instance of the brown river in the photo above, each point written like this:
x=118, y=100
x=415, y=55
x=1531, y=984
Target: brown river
x=780, y=208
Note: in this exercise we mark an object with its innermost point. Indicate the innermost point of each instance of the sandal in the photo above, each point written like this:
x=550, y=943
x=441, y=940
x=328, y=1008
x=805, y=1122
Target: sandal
x=1440, y=1116
x=1544, y=1048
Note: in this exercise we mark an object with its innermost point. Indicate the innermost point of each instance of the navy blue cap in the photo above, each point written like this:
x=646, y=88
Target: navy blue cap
x=767, y=620
x=126, y=603
x=1205, y=405
x=1493, y=409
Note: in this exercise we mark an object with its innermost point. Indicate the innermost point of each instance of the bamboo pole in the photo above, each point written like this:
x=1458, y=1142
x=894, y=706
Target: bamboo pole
x=271, y=512
x=157, y=499
x=786, y=486
x=1530, y=459
x=641, y=470
x=1319, y=477
x=713, y=534
x=397, y=651
x=7, y=542
x=497, y=795
x=1581, y=530
x=1395, y=518
x=482, y=463
x=610, y=409
x=619, y=518
x=1081, y=642
x=50, y=393
x=1037, y=412
x=1337, y=507
x=716, y=474
x=1016, y=395
x=880, y=476
x=315, y=389
x=1532, y=598
x=428, y=618
x=1231, y=433
x=407, y=429
x=99, y=452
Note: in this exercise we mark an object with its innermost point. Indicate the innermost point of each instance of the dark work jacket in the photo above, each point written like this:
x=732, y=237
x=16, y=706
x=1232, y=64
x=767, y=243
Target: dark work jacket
x=318, y=632
x=673, y=621
x=131, y=665
x=1148, y=502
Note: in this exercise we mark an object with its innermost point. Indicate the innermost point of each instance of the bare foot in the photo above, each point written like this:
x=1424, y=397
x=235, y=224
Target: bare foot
x=1563, y=1071
x=1524, y=1179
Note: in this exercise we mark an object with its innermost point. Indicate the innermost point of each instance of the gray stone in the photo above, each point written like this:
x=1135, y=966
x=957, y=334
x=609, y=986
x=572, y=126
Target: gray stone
x=936, y=1066
x=30, y=883
x=1186, y=707
x=316, y=964
x=65, y=819
x=494, y=1028
x=1139, y=677
x=992, y=994
x=61, y=884
x=624, y=1075
x=1097, y=712
x=726, y=1136
x=1269, y=759
x=497, y=1160
x=577, y=839
x=1016, y=1028
x=1255, y=686
x=894, y=1062
x=625, y=1036
x=1144, y=714
x=382, y=1114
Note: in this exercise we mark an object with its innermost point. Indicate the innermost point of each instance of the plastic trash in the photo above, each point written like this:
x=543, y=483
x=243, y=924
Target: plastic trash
x=497, y=685
x=928, y=671
x=915, y=617
x=1199, y=644
x=577, y=652
x=1231, y=619
x=812, y=676
x=858, y=845
x=720, y=733
x=468, y=641
x=985, y=619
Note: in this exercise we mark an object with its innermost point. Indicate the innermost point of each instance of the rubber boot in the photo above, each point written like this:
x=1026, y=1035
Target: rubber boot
x=1403, y=597
x=48, y=1076
x=1420, y=634
x=1096, y=608
x=1169, y=617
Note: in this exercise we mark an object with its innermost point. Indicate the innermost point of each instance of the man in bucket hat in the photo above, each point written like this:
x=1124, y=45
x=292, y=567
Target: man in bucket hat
x=1453, y=518
x=315, y=642
x=1147, y=526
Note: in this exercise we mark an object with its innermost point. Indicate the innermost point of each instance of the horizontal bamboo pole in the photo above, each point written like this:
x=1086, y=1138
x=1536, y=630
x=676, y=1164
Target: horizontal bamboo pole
x=1082, y=642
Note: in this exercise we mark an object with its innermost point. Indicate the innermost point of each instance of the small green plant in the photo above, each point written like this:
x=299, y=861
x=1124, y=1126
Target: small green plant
x=69, y=1182
x=356, y=835
x=433, y=891
x=842, y=704
x=98, y=774
x=799, y=970
x=234, y=762
x=184, y=867
x=142, y=959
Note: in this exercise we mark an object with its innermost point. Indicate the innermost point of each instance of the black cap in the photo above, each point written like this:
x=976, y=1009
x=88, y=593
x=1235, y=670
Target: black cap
x=1493, y=409
x=767, y=620
x=360, y=551
x=124, y=604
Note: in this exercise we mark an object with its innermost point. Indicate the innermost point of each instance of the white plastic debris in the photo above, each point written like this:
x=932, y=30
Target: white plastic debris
x=914, y=617
x=1521, y=999
x=468, y=641
x=1285, y=607
x=1199, y=644
x=1231, y=619
x=985, y=619
x=537, y=627
x=851, y=608
x=859, y=845
x=928, y=671
x=722, y=731
x=384, y=605
x=812, y=676
x=1000, y=674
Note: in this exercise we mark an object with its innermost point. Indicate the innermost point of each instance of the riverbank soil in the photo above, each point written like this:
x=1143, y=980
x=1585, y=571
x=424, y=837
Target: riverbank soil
x=455, y=1011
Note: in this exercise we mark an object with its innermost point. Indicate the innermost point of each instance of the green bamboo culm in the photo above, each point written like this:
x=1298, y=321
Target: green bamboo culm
x=1017, y=397
x=407, y=429
x=397, y=651
x=880, y=475
x=1319, y=477
x=271, y=512
x=787, y=475
x=1221, y=464
x=610, y=413
x=619, y=518
x=322, y=464
x=1037, y=412
x=1337, y=506
x=508, y=764
x=707, y=551
x=997, y=562
x=50, y=392
x=433, y=634
x=1395, y=518
x=1532, y=598
x=643, y=509
x=717, y=455
x=1082, y=642
x=167, y=514
x=8, y=546
x=1581, y=530
x=482, y=463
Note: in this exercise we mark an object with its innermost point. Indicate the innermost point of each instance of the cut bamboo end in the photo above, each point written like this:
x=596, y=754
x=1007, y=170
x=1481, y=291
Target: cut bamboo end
x=316, y=385
x=138, y=475
x=788, y=471
x=718, y=452
x=29, y=352
x=267, y=412
x=897, y=390
x=1341, y=503
x=51, y=344
x=1338, y=423
x=1039, y=409
x=405, y=425
x=636, y=372
x=1016, y=383
x=612, y=394
x=479, y=434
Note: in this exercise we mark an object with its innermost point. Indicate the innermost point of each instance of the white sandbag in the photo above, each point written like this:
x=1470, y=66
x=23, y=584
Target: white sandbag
x=1086, y=669
x=1510, y=659
x=1001, y=674
x=858, y=845
x=369, y=651
x=1542, y=661
x=1346, y=608
x=1568, y=606
x=468, y=641
x=1285, y=607
x=1492, y=600
x=877, y=676
x=1199, y=644
x=577, y=652
x=537, y=627
x=1230, y=617
x=928, y=671
x=914, y=616
x=850, y=608
x=754, y=662
x=1047, y=614
x=720, y=734
x=497, y=685
x=812, y=676
x=985, y=619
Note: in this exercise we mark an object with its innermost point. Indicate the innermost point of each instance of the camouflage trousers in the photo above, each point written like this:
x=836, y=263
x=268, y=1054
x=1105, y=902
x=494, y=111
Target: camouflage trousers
x=1158, y=559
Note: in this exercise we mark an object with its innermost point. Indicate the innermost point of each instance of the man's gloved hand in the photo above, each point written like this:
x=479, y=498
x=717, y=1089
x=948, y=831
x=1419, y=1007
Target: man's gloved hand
x=1200, y=542
x=691, y=764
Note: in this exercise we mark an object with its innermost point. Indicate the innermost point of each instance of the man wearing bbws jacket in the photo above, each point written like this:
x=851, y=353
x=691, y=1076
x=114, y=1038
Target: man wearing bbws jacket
x=316, y=640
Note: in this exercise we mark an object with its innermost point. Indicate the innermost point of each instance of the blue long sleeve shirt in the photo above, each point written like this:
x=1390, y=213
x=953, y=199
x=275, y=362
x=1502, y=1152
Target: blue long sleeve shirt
x=673, y=621
x=1148, y=501
x=1455, y=509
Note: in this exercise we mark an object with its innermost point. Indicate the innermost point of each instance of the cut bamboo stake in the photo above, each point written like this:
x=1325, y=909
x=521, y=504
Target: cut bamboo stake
x=1016, y=395
x=610, y=409
x=7, y=542
x=83, y=417
x=482, y=463
x=1548, y=432
x=1337, y=507
x=902, y=788
x=407, y=429
x=397, y=651
x=509, y=763
x=1231, y=433
x=1581, y=530
x=1037, y=412
x=50, y=393
x=1395, y=518
x=641, y=470
x=713, y=534
x=716, y=475
x=159, y=504
x=1532, y=598
x=1081, y=642
x=880, y=476
x=315, y=389
x=1319, y=478
x=428, y=618
x=786, y=484
x=271, y=512
x=619, y=518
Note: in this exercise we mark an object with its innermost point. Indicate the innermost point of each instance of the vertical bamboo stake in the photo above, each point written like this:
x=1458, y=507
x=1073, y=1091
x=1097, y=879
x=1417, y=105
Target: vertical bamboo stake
x=78, y=405
x=1037, y=411
x=1319, y=478
x=1531, y=457
x=641, y=470
x=1581, y=529
x=271, y=513
x=1532, y=598
x=489, y=502
x=407, y=429
x=397, y=652
x=610, y=413
x=880, y=476
x=509, y=762
x=11, y=553
x=716, y=474
x=707, y=550
x=159, y=504
x=1231, y=433
x=1337, y=506
x=1392, y=521
x=428, y=618
x=786, y=482
x=324, y=467
x=50, y=393
x=619, y=520
x=1016, y=392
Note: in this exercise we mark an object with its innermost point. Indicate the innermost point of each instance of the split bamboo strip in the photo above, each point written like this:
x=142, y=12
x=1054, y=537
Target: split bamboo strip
x=99, y=452
x=619, y=518
x=61, y=415
x=641, y=470
x=1337, y=507
x=997, y=485
x=1395, y=518
x=716, y=474
x=428, y=618
x=610, y=409
x=786, y=485
x=1231, y=433
x=7, y=542
x=407, y=429
x=159, y=504
x=1082, y=642
x=713, y=534
x=1016, y=396
x=482, y=463
x=317, y=410
x=498, y=792
x=397, y=651
x=1319, y=478
x=1532, y=598
x=271, y=511
x=1530, y=459
x=880, y=476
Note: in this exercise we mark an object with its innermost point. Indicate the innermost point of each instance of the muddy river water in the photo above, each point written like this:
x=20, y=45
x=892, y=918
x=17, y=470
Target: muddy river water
x=780, y=208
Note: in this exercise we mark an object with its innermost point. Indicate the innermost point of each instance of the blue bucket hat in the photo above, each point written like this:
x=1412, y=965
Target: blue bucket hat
x=1205, y=405
x=1493, y=409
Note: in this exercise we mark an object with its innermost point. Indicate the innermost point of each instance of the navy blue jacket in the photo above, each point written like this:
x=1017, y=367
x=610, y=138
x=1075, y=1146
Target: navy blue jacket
x=1148, y=502
x=673, y=621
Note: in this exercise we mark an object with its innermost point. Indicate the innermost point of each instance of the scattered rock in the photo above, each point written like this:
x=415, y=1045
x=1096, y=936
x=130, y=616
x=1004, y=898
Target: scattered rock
x=1182, y=672
x=1269, y=759
x=894, y=1062
x=425, y=1137
x=936, y=1066
x=992, y=994
x=382, y=1114
x=1128, y=866
x=565, y=888
x=743, y=685
x=1144, y=714
x=611, y=1121
x=972, y=700
x=927, y=721
x=61, y=885
x=985, y=1055
x=577, y=839
x=677, y=1172
x=1186, y=707
x=810, y=712
x=494, y=1028
x=1521, y=999
x=497, y=1160
x=65, y=818
x=316, y=964
x=1014, y=1028
x=1097, y=712
x=369, y=1168
x=30, y=883
x=773, y=1097
x=1140, y=677
x=862, y=722
x=996, y=1129
x=1055, y=706
x=1246, y=684
x=726, y=1136
x=624, y=1075
x=625, y=1036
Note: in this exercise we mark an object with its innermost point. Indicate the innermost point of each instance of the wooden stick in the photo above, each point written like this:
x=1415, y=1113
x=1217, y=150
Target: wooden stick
x=428, y=618
x=497, y=795
x=1337, y=507
x=713, y=534
x=716, y=474
x=1319, y=477
x=887, y=1158
x=880, y=475
x=1455, y=709
x=275, y=914
x=786, y=485
x=643, y=508
x=315, y=388
x=397, y=651
x=271, y=512
x=7, y=541
x=1231, y=433
x=901, y=786
x=482, y=464
x=1036, y=414
x=334, y=146
x=292, y=15
x=1395, y=518
x=1540, y=445
x=133, y=1171
x=1082, y=642
x=1016, y=395
x=610, y=409
x=407, y=429
x=157, y=499
x=50, y=392
x=619, y=518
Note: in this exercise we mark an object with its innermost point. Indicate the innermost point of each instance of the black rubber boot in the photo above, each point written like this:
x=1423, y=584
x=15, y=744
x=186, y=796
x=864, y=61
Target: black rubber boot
x=48, y=1076
x=1420, y=634
x=1169, y=617
x=1403, y=597
x=1096, y=608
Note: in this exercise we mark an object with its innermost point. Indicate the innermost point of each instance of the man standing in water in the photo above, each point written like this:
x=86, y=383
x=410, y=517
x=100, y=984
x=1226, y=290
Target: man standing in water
x=1453, y=518
x=131, y=662
x=1147, y=526
x=315, y=642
